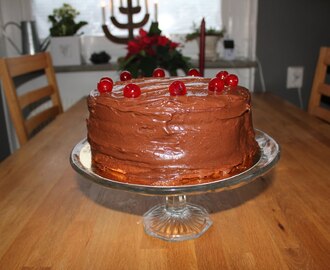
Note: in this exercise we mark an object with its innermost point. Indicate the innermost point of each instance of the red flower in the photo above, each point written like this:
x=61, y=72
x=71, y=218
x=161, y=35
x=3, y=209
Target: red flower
x=133, y=47
x=142, y=32
x=151, y=51
x=174, y=45
x=146, y=40
x=162, y=40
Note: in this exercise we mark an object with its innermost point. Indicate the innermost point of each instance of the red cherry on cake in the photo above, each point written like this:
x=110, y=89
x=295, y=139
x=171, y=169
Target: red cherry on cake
x=125, y=75
x=105, y=85
x=194, y=72
x=132, y=90
x=231, y=80
x=177, y=88
x=106, y=79
x=222, y=75
x=217, y=85
x=158, y=72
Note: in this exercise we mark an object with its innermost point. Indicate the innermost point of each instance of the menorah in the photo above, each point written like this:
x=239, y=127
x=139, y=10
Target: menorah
x=130, y=25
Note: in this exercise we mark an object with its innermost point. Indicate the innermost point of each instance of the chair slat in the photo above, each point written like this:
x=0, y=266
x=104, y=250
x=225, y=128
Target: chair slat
x=324, y=89
x=26, y=64
x=35, y=95
x=32, y=123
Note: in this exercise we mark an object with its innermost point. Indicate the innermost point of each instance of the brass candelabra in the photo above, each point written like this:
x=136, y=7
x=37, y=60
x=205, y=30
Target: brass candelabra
x=130, y=11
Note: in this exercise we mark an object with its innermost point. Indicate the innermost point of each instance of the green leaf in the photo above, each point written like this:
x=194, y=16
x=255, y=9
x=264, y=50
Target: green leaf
x=148, y=64
x=154, y=30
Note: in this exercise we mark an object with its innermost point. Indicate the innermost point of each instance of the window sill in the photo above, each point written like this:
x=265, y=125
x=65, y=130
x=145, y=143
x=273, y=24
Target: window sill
x=112, y=66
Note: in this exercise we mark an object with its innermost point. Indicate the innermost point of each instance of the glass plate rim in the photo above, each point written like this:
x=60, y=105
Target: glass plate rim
x=269, y=156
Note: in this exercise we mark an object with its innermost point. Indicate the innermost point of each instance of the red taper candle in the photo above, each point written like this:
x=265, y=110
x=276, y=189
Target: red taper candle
x=202, y=48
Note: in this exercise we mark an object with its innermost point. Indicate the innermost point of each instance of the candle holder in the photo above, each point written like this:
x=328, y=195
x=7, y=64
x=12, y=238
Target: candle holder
x=130, y=25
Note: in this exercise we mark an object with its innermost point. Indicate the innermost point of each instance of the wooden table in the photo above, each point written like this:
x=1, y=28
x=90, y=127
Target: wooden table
x=53, y=218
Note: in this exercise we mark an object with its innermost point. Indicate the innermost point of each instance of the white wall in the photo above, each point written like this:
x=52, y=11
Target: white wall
x=14, y=11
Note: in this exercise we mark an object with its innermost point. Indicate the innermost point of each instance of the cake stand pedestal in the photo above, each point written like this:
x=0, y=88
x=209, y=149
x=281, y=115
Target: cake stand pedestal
x=177, y=220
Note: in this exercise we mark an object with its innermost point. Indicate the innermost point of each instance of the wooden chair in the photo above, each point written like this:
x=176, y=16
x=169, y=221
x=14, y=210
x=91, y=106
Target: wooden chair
x=26, y=118
x=320, y=88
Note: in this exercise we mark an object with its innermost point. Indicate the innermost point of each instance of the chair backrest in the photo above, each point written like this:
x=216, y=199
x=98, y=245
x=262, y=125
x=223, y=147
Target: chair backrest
x=320, y=87
x=25, y=68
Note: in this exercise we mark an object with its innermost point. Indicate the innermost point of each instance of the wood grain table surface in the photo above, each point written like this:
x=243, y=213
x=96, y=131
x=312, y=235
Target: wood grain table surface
x=53, y=218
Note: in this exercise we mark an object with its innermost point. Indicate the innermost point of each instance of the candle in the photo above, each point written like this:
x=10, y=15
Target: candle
x=230, y=27
x=103, y=11
x=156, y=11
x=121, y=3
x=111, y=6
x=146, y=4
x=202, y=48
x=138, y=3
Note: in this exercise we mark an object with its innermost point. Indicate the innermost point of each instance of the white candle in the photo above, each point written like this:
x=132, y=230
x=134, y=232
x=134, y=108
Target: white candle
x=111, y=7
x=230, y=27
x=103, y=11
x=146, y=4
x=156, y=11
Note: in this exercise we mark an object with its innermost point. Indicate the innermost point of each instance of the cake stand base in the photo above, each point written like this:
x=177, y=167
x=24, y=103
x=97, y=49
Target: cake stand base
x=176, y=220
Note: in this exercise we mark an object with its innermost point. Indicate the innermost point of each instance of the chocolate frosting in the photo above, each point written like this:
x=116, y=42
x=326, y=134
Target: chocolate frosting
x=158, y=139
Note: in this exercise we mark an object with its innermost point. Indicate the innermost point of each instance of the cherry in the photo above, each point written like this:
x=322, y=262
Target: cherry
x=105, y=85
x=132, y=90
x=216, y=84
x=231, y=80
x=177, y=88
x=158, y=72
x=125, y=75
x=194, y=72
x=222, y=75
x=106, y=79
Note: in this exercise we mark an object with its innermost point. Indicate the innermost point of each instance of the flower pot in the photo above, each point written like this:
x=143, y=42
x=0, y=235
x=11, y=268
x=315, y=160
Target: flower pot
x=211, y=43
x=66, y=51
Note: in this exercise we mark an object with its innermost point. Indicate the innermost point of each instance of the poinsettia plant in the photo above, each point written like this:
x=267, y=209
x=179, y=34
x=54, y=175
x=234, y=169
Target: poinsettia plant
x=150, y=50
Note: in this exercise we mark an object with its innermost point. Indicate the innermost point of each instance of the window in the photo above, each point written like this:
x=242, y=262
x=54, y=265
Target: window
x=174, y=16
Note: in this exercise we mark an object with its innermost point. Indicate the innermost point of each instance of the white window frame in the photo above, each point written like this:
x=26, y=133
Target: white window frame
x=239, y=17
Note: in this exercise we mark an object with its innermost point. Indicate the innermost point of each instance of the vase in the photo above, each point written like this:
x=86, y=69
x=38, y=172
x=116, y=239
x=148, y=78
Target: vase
x=211, y=44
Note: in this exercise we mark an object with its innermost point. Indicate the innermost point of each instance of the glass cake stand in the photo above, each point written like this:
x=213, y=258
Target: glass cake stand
x=177, y=220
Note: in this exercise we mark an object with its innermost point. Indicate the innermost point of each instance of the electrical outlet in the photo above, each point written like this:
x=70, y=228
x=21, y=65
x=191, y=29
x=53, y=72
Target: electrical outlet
x=294, y=77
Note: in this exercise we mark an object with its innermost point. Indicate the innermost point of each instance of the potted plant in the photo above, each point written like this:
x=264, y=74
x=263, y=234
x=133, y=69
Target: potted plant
x=212, y=36
x=65, y=43
x=150, y=50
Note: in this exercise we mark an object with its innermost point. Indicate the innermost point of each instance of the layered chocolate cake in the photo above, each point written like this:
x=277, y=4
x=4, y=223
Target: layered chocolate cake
x=170, y=130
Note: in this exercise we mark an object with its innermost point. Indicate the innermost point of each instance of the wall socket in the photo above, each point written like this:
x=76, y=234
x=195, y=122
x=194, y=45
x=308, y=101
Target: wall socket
x=295, y=77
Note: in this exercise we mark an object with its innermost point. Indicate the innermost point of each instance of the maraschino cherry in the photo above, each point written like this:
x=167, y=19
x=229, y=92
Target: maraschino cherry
x=132, y=90
x=222, y=74
x=125, y=75
x=177, y=88
x=158, y=72
x=217, y=85
x=106, y=79
x=231, y=80
x=105, y=85
x=194, y=73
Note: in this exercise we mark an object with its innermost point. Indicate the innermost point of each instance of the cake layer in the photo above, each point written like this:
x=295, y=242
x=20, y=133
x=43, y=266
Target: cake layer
x=158, y=139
